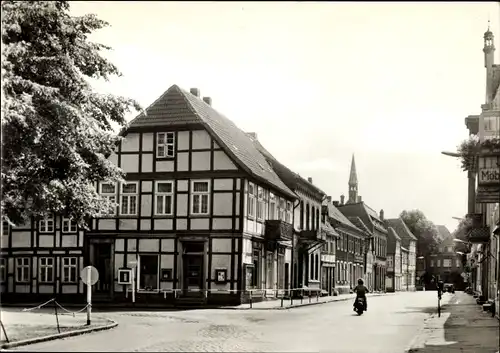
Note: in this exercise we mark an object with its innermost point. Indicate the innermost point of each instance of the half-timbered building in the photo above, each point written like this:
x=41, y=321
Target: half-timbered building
x=202, y=217
x=42, y=258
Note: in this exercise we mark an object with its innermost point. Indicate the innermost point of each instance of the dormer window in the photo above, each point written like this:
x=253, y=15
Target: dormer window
x=165, y=145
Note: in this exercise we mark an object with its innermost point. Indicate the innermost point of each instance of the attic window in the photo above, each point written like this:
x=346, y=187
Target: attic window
x=165, y=144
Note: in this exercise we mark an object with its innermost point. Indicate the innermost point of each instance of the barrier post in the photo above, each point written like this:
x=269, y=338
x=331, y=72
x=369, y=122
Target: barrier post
x=291, y=296
x=4, y=332
x=317, y=296
x=301, y=296
x=309, y=295
x=282, y=298
x=57, y=317
x=251, y=304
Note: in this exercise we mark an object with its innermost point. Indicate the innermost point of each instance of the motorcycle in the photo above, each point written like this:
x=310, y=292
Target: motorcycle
x=359, y=306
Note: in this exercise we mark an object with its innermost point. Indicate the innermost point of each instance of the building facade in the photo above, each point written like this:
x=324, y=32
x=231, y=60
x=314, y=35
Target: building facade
x=309, y=233
x=350, y=248
x=393, y=279
x=201, y=218
x=329, y=250
x=409, y=241
x=405, y=272
x=446, y=265
x=484, y=185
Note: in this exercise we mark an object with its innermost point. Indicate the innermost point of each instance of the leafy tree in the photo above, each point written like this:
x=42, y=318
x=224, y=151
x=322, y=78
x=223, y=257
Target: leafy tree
x=425, y=231
x=56, y=130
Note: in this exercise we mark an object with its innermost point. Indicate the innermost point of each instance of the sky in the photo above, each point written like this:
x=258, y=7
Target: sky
x=318, y=82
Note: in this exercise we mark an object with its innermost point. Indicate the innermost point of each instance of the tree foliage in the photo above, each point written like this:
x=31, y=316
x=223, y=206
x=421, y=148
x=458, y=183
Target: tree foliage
x=425, y=231
x=56, y=130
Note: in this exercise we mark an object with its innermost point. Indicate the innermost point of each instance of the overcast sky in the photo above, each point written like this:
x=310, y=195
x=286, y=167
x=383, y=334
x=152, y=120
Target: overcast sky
x=390, y=82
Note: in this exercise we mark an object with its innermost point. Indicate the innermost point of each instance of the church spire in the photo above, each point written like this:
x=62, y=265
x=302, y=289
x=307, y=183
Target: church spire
x=353, y=183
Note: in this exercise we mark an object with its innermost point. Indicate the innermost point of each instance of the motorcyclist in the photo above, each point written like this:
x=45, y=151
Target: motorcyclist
x=360, y=291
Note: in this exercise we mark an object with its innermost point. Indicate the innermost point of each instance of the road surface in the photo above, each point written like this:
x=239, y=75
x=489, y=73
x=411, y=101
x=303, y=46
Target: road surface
x=390, y=325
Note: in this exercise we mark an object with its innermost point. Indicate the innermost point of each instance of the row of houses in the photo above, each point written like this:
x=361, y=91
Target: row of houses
x=207, y=216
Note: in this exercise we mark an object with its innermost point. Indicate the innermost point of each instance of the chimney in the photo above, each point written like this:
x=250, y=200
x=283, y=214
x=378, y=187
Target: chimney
x=195, y=92
x=342, y=198
x=335, y=203
x=329, y=199
x=360, y=199
x=207, y=100
x=309, y=179
x=252, y=135
x=381, y=215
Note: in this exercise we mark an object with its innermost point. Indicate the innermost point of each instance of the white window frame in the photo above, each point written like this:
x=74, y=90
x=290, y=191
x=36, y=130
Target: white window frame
x=112, y=197
x=167, y=144
x=282, y=209
x=272, y=206
x=288, y=212
x=44, y=265
x=162, y=195
x=46, y=225
x=131, y=197
x=3, y=269
x=252, y=200
x=447, y=263
x=201, y=194
x=260, y=203
x=67, y=264
x=23, y=269
x=68, y=226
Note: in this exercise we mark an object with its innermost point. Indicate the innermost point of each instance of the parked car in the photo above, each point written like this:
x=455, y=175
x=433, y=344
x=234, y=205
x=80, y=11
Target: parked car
x=449, y=287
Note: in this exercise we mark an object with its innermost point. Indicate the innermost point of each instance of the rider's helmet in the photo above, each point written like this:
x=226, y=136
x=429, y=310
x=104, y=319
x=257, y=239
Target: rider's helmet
x=360, y=281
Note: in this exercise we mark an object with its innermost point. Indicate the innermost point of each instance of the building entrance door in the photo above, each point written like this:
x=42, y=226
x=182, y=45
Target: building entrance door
x=192, y=258
x=101, y=259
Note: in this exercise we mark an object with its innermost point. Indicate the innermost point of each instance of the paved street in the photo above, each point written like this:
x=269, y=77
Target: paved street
x=390, y=324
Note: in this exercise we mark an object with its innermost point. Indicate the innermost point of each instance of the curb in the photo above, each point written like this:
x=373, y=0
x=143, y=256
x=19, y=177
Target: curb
x=109, y=326
x=299, y=305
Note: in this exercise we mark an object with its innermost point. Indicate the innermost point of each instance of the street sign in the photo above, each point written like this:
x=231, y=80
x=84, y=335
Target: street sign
x=124, y=276
x=89, y=275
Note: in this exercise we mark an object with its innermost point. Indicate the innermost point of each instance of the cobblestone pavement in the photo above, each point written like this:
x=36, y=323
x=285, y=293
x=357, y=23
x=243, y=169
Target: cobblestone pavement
x=389, y=326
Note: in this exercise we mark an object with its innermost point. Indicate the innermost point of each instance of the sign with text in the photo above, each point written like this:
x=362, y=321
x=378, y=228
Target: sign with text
x=488, y=176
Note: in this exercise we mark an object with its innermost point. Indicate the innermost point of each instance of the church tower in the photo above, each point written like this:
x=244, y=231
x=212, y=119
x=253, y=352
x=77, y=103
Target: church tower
x=489, y=63
x=353, y=183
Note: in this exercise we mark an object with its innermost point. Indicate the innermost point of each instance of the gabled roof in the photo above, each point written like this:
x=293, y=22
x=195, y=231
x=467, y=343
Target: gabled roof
x=334, y=213
x=359, y=224
x=392, y=238
x=443, y=232
x=179, y=107
x=326, y=227
x=361, y=210
x=290, y=178
x=402, y=230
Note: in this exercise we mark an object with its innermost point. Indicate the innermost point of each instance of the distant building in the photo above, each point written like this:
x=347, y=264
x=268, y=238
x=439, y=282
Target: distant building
x=446, y=265
x=409, y=242
x=355, y=207
x=394, y=267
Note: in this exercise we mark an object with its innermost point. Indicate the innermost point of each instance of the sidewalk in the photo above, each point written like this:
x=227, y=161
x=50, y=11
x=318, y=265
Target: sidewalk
x=462, y=327
x=278, y=304
x=26, y=327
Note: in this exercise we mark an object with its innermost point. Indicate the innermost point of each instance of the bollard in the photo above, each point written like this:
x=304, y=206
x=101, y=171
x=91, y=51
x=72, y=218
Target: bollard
x=251, y=304
x=301, y=296
x=282, y=297
x=4, y=332
x=317, y=296
x=309, y=295
x=291, y=297
x=57, y=317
